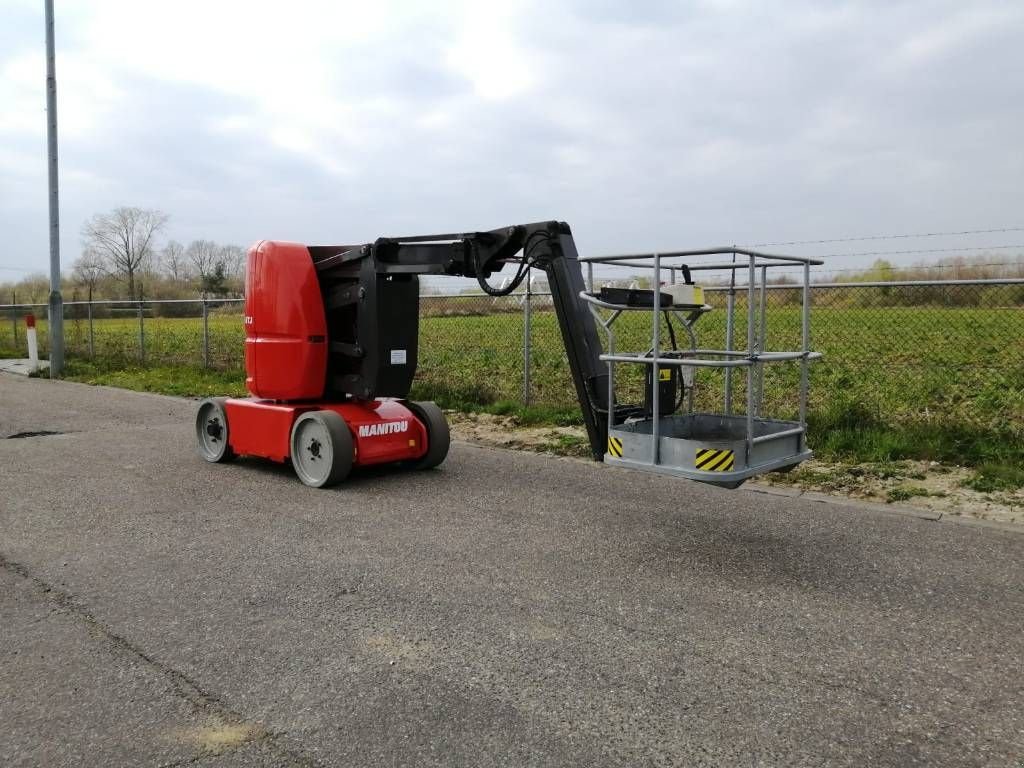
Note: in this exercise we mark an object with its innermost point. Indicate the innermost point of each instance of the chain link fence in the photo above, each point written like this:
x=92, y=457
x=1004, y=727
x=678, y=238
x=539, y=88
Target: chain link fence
x=204, y=332
x=900, y=352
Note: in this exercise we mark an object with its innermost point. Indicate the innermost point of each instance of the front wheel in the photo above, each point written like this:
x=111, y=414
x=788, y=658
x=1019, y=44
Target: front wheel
x=438, y=435
x=321, y=447
x=212, y=430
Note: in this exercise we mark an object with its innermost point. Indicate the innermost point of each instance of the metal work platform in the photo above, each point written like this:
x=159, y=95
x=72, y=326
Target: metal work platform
x=723, y=448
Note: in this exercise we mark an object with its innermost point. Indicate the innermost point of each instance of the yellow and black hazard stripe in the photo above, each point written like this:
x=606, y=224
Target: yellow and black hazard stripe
x=615, y=447
x=715, y=460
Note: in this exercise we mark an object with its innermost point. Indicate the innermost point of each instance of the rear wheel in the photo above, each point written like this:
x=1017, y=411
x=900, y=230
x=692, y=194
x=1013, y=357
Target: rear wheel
x=321, y=447
x=212, y=430
x=438, y=436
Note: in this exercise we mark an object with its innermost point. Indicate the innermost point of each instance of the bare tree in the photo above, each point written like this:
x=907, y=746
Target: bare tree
x=34, y=288
x=173, y=261
x=233, y=257
x=123, y=240
x=204, y=256
x=88, y=270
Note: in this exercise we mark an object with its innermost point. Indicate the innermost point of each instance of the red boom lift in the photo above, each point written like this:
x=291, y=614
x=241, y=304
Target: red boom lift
x=331, y=346
x=331, y=349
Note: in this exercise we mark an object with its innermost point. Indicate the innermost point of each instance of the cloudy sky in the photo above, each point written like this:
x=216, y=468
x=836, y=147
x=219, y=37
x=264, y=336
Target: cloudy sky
x=646, y=124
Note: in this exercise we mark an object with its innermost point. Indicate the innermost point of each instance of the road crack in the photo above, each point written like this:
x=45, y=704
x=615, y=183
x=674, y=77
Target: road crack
x=202, y=701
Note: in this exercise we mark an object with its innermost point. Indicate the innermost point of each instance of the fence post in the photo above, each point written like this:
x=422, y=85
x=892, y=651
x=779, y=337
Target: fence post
x=527, y=312
x=14, y=317
x=730, y=310
x=762, y=344
x=142, y=332
x=206, y=334
x=92, y=343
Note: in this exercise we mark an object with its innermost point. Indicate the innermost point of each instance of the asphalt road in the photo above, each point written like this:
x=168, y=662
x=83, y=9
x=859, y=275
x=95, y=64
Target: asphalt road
x=506, y=609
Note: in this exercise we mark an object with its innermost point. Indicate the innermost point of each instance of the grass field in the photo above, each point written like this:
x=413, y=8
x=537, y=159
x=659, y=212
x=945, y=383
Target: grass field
x=916, y=382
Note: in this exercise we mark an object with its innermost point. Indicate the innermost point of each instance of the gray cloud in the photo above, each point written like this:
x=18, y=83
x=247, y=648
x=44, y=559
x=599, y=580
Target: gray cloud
x=645, y=125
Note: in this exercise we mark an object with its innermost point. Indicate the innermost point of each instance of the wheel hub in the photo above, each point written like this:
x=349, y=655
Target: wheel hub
x=314, y=449
x=214, y=429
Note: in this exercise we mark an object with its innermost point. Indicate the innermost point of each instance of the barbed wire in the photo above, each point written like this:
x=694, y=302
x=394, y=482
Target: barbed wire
x=976, y=250
x=964, y=249
x=890, y=237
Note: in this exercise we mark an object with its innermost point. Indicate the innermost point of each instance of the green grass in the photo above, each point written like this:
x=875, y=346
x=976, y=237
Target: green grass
x=938, y=383
x=567, y=445
x=908, y=492
x=993, y=476
x=844, y=431
x=180, y=380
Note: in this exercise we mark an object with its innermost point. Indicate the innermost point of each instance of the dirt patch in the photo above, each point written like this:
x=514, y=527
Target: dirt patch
x=218, y=737
x=506, y=432
x=920, y=484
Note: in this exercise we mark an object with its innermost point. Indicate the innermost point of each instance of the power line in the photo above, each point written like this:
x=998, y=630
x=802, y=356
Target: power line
x=890, y=237
x=978, y=249
x=963, y=249
x=928, y=250
x=905, y=268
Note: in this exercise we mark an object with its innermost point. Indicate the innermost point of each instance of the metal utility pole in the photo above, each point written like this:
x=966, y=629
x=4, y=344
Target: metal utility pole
x=56, y=313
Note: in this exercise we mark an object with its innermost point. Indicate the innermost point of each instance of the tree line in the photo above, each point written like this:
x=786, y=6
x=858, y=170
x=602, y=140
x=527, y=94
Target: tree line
x=123, y=257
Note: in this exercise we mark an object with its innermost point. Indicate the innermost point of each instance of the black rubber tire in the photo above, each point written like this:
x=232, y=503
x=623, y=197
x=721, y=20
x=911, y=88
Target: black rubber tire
x=331, y=429
x=212, y=431
x=438, y=436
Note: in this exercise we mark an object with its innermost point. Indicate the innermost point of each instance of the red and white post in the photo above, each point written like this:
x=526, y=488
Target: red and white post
x=33, y=343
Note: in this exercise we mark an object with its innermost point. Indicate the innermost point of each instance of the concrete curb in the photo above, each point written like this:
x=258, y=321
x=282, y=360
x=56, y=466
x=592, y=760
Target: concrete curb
x=21, y=367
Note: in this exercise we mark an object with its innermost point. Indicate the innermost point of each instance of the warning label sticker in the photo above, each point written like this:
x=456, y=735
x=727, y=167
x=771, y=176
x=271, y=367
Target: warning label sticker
x=714, y=460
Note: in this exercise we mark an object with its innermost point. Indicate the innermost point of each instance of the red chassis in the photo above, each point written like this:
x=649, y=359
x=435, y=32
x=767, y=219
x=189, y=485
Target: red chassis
x=382, y=430
x=323, y=440
x=288, y=418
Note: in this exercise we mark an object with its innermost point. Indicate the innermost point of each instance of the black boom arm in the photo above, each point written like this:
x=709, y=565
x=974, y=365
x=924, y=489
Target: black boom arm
x=388, y=268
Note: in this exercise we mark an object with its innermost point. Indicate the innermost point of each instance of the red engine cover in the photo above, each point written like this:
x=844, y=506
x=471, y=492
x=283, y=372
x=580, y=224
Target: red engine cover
x=285, y=327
